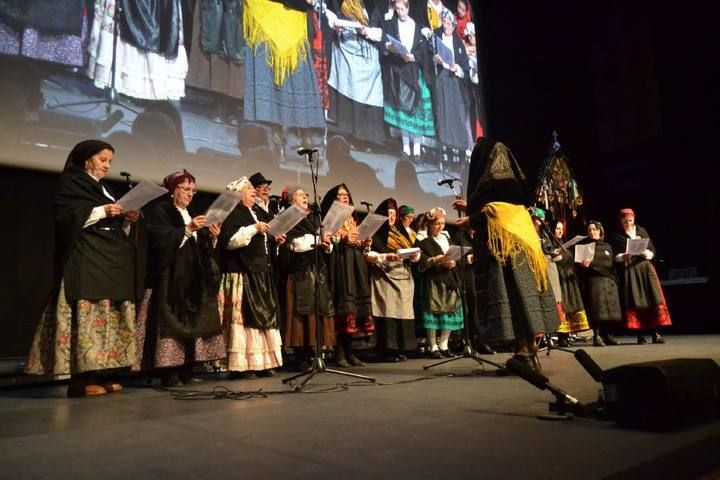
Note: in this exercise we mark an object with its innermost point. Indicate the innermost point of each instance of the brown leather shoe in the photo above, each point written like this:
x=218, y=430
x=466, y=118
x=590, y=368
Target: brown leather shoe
x=75, y=390
x=111, y=387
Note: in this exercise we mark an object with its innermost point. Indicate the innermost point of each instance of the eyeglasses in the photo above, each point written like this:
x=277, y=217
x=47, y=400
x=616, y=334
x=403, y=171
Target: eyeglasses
x=189, y=190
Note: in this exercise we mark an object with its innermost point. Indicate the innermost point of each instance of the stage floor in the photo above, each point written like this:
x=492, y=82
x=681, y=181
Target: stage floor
x=467, y=425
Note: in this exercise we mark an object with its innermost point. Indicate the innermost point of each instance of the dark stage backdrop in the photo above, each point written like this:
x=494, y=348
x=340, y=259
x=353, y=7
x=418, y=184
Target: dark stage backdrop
x=629, y=88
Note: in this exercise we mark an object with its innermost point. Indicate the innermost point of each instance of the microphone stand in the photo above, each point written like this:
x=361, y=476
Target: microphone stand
x=111, y=94
x=318, y=364
x=468, y=350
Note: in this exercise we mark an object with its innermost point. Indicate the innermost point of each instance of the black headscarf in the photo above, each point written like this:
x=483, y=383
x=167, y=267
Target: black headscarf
x=494, y=176
x=381, y=236
x=83, y=151
x=331, y=196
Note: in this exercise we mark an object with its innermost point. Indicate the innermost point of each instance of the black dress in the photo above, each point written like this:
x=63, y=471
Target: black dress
x=180, y=306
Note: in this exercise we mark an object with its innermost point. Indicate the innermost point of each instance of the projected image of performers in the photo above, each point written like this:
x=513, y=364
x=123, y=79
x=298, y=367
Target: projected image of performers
x=388, y=91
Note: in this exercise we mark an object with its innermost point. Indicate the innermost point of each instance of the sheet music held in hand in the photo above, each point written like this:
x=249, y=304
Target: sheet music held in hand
x=398, y=47
x=221, y=207
x=445, y=53
x=636, y=246
x=141, y=194
x=404, y=253
x=341, y=22
x=370, y=225
x=584, y=252
x=456, y=251
x=336, y=216
x=574, y=240
x=286, y=220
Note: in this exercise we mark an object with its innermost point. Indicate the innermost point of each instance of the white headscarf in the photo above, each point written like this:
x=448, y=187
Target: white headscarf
x=238, y=185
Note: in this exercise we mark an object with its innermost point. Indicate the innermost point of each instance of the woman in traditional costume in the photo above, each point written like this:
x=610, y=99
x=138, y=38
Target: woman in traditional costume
x=451, y=96
x=509, y=260
x=573, y=318
x=640, y=291
x=407, y=73
x=307, y=285
x=281, y=86
x=392, y=286
x=442, y=309
x=178, y=321
x=248, y=299
x=600, y=286
x=356, y=89
x=349, y=280
x=88, y=326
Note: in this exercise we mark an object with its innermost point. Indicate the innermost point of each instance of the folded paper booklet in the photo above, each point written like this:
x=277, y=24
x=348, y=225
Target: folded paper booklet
x=286, y=220
x=221, y=207
x=456, y=251
x=574, y=240
x=397, y=44
x=370, y=225
x=636, y=246
x=141, y=194
x=404, y=253
x=584, y=252
x=336, y=216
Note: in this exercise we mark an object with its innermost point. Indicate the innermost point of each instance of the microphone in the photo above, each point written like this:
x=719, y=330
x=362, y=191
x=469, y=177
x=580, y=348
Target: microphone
x=367, y=204
x=589, y=365
x=447, y=181
x=306, y=151
x=538, y=380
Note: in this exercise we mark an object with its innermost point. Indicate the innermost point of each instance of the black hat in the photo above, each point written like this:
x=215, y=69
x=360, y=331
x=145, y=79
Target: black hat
x=257, y=179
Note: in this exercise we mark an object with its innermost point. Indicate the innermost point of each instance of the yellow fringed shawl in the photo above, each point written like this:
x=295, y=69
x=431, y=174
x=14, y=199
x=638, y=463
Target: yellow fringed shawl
x=282, y=29
x=510, y=231
x=396, y=240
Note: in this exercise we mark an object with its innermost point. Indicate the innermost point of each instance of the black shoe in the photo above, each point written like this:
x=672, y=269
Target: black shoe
x=172, y=380
x=447, y=354
x=402, y=357
x=641, y=340
x=485, y=349
x=609, y=340
x=598, y=342
x=246, y=375
x=657, y=338
x=436, y=354
x=391, y=359
x=265, y=373
x=564, y=342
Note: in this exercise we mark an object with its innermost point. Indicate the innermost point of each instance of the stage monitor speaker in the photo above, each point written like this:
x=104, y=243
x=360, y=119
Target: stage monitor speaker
x=663, y=395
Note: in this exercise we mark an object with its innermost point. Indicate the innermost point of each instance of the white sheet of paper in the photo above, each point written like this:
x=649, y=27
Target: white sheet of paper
x=584, y=252
x=221, y=207
x=574, y=240
x=636, y=246
x=286, y=220
x=397, y=44
x=370, y=225
x=456, y=251
x=404, y=253
x=141, y=194
x=341, y=22
x=336, y=216
x=445, y=53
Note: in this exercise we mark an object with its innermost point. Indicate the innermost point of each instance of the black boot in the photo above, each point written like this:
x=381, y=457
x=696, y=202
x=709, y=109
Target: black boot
x=657, y=338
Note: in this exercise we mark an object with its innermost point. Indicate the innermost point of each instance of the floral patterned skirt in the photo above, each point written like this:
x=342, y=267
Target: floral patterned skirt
x=87, y=336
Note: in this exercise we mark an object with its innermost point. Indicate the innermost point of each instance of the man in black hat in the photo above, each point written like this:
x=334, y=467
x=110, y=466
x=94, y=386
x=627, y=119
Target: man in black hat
x=262, y=188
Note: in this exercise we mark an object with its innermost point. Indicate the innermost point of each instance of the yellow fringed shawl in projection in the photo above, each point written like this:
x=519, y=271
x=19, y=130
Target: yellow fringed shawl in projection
x=510, y=231
x=282, y=29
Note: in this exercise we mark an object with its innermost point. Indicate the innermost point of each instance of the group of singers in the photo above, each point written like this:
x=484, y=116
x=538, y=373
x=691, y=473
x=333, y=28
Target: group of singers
x=233, y=294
